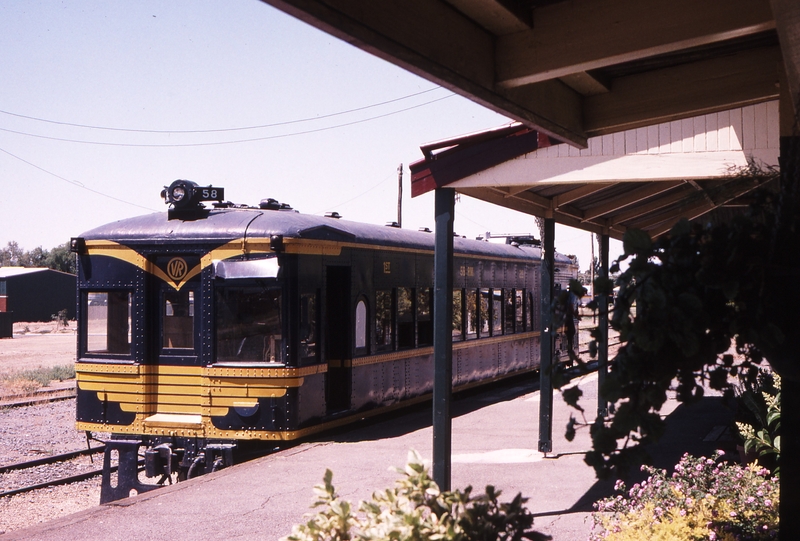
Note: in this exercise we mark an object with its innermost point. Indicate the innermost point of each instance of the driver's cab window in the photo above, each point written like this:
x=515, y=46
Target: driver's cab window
x=178, y=316
x=248, y=324
x=107, y=318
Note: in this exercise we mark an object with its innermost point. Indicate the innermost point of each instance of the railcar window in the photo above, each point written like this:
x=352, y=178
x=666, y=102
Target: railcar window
x=483, y=312
x=108, y=322
x=510, y=313
x=249, y=324
x=424, y=319
x=384, y=335
x=497, y=312
x=361, y=326
x=519, y=308
x=458, y=315
x=178, y=318
x=531, y=323
x=405, y=318
x=308, y=326
x=472, y=313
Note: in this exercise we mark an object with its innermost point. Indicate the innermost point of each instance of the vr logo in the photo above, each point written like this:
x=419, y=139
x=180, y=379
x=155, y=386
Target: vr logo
x=177, y=269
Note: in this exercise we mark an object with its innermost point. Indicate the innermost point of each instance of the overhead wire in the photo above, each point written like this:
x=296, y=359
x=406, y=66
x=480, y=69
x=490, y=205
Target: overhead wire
x=219, y=130
x=386, y=178
x=73, y=182
x=236, y=141
x=84, y=187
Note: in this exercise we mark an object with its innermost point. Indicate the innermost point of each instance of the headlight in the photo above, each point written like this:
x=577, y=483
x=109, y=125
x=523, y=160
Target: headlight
x=178, y=193
x=185, y=194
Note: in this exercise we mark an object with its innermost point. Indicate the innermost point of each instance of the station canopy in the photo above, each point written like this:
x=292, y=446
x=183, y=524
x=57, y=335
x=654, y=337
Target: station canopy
x=580, y=71
x=645, y=178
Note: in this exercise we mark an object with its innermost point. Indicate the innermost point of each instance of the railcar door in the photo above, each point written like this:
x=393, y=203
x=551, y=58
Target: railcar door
x=175, y=378
x=337, y=338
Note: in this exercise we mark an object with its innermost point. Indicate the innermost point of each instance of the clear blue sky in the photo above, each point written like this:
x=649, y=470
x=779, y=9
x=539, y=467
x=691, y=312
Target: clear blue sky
x=154, y=71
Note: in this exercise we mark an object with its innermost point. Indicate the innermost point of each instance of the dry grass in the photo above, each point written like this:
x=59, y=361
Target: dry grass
x=38, y=354
x=26, y=382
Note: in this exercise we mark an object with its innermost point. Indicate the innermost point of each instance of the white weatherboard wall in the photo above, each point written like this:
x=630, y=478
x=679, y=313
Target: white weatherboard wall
x=702, y=147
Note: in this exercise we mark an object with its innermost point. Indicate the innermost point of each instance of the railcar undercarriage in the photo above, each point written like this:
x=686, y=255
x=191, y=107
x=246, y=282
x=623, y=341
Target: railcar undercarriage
x=165, y=458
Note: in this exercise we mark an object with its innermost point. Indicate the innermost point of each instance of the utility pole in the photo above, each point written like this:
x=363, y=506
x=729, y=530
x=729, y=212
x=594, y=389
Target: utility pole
x=400, y=195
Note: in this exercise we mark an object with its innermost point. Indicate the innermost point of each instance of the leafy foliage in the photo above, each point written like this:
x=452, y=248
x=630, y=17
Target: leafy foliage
x=704, y=498
x=59, y=258
x=415, y=509
x=762, y=430
x=686, y=303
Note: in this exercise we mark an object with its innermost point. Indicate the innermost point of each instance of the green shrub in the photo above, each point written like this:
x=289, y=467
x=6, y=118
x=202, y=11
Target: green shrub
x=416, y=510
x=761, y=430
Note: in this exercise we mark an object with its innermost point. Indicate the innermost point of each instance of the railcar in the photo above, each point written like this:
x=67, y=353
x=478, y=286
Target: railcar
x=203, y=328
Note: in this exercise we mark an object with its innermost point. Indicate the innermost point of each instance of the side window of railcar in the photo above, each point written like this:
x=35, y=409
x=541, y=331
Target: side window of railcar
x=308, y=326
x=519, y=310
x=458, y=315
x=362, y=340
x=471, y=300
x=531, y=323
x=108, y=322
x=384, y=336
x=497, y=312
x=249, y=324
x=405, y=318
x=483, y=312
x=510, y=313
x=424, y=317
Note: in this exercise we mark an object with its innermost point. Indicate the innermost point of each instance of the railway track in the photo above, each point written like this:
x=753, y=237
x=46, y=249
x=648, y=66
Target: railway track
x=40, y=467
x=38, y=397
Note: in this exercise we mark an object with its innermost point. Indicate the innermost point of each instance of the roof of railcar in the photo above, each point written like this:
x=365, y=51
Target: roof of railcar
x=216, y=226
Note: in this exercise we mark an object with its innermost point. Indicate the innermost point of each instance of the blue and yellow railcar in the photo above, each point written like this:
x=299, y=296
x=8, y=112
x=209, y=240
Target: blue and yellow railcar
x=201, y=328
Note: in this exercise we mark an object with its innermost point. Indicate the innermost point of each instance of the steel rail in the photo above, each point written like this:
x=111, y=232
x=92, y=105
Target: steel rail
x=40, y=397
x=62, y=481
x=55, y=482
x=52, y=459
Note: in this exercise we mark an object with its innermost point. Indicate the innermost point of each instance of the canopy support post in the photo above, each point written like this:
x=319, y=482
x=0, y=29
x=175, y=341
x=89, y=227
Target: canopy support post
x=602, y=328
x=546, y=352
x=443, y=336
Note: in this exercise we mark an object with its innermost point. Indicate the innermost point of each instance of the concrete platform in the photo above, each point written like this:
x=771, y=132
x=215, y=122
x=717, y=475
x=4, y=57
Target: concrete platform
x=495, y=435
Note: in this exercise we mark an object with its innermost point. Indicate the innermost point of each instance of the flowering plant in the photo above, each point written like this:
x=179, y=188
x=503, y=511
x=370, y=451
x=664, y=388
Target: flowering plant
x=704, y=498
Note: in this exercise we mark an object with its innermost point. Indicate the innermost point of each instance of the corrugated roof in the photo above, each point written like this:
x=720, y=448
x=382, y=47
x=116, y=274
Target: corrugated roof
x=7, y=272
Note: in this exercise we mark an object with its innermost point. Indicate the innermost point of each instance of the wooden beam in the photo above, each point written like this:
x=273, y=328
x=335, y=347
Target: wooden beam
x=684, y=91
x=581, y=35
x=629, y=198
x=538, y=200
x=587, y=83
x=787, y=17
x=578, y=193
x=500, y=17
x=714, y=196
x=519, y=204
x=690, y=213
x=652, y=206
x=595, y=226
x=432, y=39
x=534, y=208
